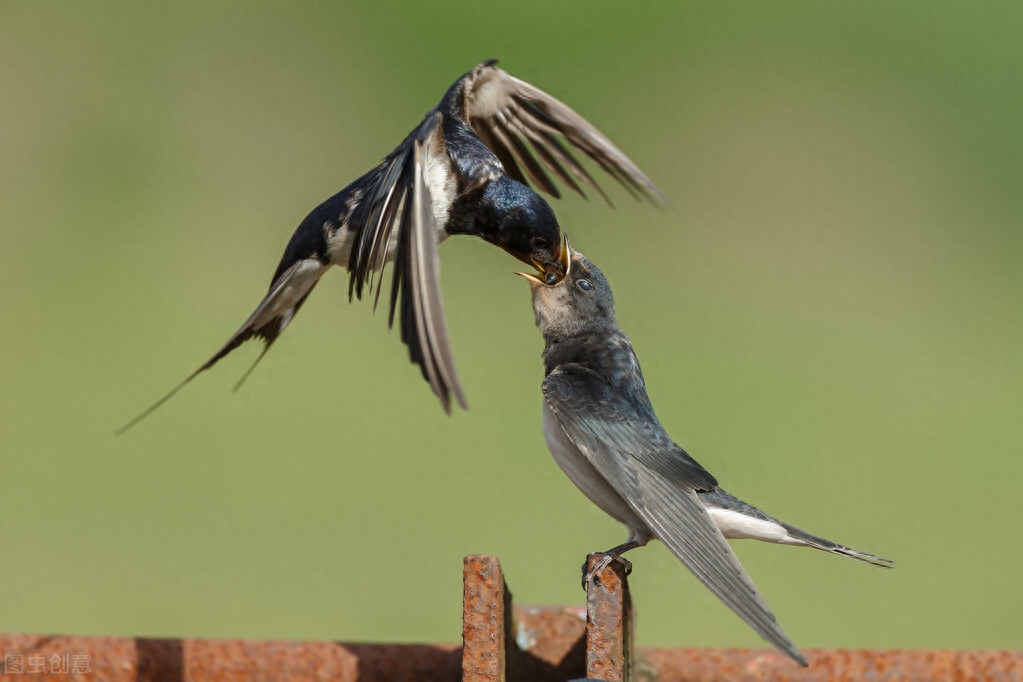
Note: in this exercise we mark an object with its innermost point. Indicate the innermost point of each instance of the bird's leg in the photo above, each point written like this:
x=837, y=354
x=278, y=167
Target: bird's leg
x=613, y=554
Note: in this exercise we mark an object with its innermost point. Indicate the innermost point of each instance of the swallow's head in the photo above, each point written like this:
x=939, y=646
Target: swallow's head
x=517, y=219
x=577, y=302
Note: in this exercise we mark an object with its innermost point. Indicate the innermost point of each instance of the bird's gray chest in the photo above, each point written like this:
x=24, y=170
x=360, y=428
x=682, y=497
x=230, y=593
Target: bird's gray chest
x=583, y=474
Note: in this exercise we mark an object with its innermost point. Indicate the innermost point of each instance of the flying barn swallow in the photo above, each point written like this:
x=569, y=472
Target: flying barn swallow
x=602, y=431
x=463, y=170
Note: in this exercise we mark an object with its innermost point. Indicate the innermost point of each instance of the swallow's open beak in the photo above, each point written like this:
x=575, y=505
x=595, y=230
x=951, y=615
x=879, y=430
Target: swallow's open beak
x=566, y=255
x=548, y=275
x=541, y=272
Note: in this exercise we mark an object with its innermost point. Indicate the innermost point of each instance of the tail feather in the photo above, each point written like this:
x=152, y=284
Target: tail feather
x=738, y=519
x=286, y=296
x=269, y=332
x=812, y=540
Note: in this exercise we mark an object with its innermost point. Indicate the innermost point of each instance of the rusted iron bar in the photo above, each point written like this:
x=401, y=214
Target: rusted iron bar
x=827, y=665
x=497, y=647
x=484, y=635
x=550, y=643
x=538, y=644
x=608, y=623
x=127, y=659
x=501, y=642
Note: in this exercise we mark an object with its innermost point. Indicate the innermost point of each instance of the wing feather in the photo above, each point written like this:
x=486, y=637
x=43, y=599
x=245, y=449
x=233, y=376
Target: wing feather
x=415, y=288
x=552, y=154
x=429, y=304
x=504, y=110
x=372, y=220
x=396, y=211
x=523, y=156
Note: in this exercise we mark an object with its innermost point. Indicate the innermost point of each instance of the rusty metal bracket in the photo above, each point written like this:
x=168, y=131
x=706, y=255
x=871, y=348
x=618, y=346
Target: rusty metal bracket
x=501, y=643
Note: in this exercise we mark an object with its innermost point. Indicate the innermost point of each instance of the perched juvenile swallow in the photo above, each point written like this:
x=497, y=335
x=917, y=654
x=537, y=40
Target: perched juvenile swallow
x=602, y=431
x=462, y=170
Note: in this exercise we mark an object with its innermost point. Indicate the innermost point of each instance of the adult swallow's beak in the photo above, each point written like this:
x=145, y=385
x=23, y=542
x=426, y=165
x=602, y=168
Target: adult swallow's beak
x=533, y=279
x=566, y=255
x=546, y=274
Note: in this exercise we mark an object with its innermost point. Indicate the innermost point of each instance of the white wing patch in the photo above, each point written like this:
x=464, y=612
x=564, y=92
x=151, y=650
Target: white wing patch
x=440, y=178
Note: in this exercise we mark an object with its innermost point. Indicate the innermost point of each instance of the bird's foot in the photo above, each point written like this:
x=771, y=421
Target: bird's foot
x=589, y=575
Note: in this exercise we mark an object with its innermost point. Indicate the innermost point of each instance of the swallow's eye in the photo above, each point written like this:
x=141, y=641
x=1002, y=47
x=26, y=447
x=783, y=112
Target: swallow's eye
x=551, y=278
x=539, y=243
x=585, y=285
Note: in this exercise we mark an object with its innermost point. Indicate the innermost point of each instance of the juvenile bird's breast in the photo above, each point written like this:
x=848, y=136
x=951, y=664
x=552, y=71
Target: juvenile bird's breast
x=583, y=474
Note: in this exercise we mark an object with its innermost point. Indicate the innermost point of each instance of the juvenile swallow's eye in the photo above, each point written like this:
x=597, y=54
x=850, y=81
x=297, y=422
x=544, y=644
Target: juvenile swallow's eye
x=539, y=243
x=585, y=285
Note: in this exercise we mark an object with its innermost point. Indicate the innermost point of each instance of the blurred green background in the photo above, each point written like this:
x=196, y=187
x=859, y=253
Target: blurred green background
x=829, y=318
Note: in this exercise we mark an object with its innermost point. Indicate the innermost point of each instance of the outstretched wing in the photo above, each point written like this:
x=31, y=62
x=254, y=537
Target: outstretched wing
x=506, y=112
x=631, y=450
x=396, y=216
x=389, y=212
